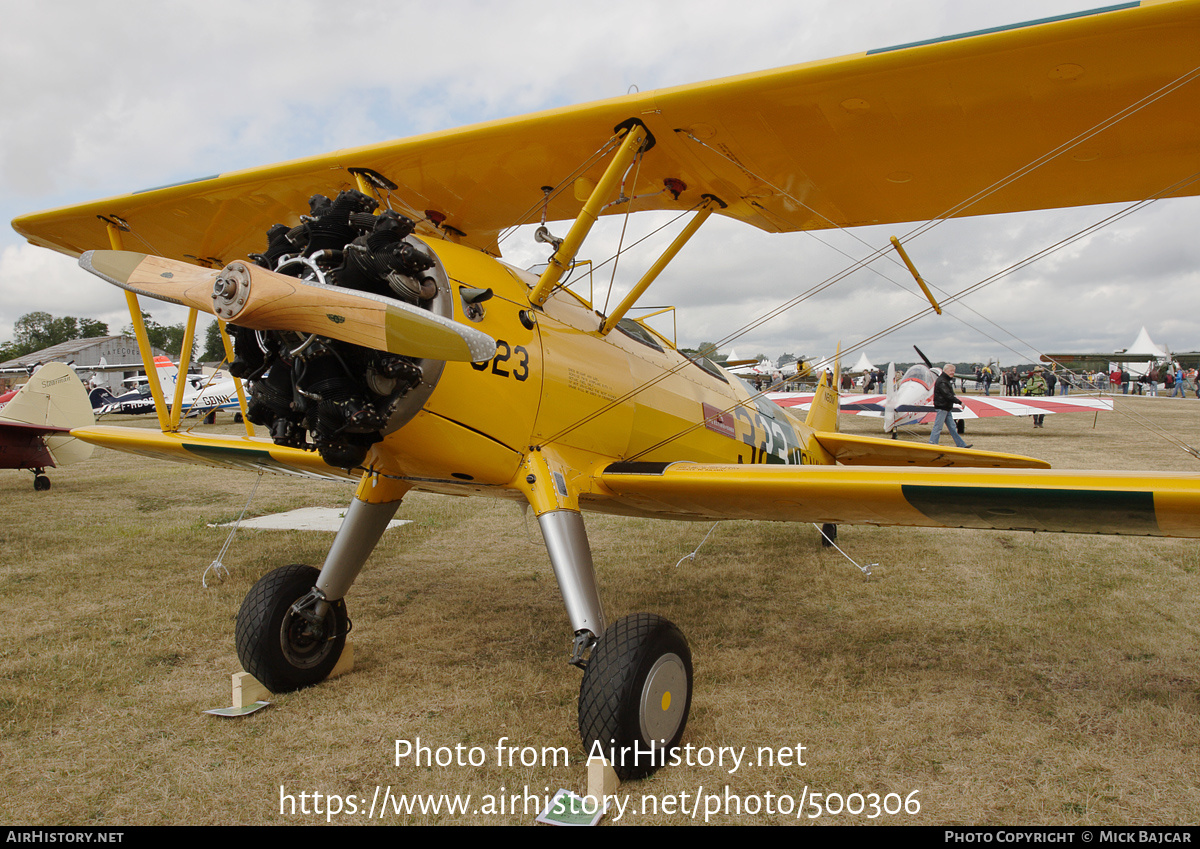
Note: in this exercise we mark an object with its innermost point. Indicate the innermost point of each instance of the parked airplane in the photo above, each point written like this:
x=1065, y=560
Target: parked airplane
x=36, y=420
x=201, y=396
x=910, y=402
x=765, y=369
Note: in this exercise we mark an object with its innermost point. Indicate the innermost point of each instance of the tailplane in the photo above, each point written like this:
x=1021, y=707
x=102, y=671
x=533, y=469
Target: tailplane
x=167, y=373
x=54, y=399
x=100, y=397
x=823, y=414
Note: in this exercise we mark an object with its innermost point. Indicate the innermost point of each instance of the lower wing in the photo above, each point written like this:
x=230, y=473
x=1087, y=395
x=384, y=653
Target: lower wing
x=239, y=452
x=1134, y=503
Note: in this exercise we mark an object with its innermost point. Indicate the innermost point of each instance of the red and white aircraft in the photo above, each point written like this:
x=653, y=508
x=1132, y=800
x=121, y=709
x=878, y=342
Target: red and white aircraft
x=910, y=402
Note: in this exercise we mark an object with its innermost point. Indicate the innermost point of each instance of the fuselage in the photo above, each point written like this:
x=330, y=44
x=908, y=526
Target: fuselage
x=915, y=390
x=557, y=381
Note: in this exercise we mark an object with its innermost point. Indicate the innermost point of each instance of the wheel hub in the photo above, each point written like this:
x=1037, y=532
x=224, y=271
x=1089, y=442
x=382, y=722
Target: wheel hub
x=664, y=699
x=304, y=643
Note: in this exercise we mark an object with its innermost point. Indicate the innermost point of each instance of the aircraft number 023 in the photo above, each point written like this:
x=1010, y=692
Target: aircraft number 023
x=500, y=363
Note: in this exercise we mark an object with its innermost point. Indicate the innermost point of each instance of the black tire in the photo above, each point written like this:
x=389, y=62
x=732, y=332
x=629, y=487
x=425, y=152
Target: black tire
x=637, y=688
x=961, y=424
x=41, y=483
x=828, y=534
x=279, y=648
x=237, y=418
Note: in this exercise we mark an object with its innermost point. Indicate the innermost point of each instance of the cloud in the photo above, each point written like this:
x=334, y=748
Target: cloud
x=150, y=93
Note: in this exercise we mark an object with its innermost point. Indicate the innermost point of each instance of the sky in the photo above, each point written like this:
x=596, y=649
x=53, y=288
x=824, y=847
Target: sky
x=102, y=100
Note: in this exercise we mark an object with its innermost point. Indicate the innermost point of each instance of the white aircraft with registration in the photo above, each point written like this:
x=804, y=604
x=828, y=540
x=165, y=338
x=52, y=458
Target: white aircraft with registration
x=202, y=394
x=385, y=342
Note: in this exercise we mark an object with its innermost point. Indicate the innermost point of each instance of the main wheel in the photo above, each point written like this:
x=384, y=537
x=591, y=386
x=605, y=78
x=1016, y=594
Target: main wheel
x=281, y=649
x=41, y=483
x=635, y=694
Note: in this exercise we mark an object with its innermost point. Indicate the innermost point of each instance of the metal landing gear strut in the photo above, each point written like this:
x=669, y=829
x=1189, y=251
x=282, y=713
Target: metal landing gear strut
x=637, y=684
x=293, y=623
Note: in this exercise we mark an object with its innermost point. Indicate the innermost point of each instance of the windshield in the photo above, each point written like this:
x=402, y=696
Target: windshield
x=921, y=373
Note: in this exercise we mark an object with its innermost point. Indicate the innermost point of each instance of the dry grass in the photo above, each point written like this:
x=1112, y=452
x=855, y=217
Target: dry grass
x=1008, y=678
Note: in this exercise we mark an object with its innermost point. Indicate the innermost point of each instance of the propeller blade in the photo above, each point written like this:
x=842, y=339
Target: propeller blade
x=259, y=299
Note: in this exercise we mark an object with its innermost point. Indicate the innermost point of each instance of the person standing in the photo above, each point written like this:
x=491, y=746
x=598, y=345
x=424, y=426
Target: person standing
x=944, y=401
x=1035, y=386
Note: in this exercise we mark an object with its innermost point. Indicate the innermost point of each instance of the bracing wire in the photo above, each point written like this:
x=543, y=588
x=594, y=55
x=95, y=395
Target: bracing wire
x=924, y=228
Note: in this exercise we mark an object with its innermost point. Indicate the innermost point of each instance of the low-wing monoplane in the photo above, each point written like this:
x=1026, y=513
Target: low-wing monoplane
x=35, y=423
x=910, y=402
x=386, y=342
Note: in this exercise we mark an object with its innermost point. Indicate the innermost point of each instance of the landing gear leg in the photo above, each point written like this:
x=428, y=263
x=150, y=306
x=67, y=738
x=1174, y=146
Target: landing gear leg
x=637, y=684
x=292, y=626
x=571, y=556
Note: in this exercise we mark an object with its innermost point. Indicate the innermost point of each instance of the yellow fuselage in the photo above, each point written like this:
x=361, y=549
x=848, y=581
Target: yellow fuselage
x=557, y=384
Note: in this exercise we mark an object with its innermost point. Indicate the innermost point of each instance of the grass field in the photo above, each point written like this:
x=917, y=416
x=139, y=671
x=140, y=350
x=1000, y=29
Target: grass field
x=991, y=678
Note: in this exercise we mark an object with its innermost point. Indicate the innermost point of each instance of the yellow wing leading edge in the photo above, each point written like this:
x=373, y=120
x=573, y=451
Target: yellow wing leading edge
x=897, y=134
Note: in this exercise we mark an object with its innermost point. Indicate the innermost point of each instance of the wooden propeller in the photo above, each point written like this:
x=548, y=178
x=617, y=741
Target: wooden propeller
x=259, y=299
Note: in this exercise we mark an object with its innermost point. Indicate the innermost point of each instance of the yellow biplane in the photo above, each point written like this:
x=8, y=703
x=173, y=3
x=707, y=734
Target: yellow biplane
x=383, y=340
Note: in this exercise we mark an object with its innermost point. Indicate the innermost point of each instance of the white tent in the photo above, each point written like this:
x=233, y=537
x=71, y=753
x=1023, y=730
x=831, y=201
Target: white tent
x=863, y=363
x=1144, y=345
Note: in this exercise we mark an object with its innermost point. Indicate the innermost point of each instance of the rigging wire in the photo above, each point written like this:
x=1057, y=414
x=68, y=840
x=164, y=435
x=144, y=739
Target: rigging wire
x=529, y=214
x=999, y=275
x=636, y=167
x=957, y=209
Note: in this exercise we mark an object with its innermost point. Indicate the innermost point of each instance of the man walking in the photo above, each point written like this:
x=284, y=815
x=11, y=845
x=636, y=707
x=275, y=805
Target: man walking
x=944, y=400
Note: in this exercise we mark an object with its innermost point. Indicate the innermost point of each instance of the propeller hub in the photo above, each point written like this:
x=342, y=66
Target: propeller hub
x=230, y=290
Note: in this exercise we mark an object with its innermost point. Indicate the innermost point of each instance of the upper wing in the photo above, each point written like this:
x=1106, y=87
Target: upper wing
x=1137, y=503
x=898, y=134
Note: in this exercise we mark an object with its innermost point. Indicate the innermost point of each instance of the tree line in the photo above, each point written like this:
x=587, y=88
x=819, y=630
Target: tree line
x=37, y=330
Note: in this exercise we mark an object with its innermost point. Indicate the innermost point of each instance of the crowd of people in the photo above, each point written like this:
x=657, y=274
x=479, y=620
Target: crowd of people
x=1172, y=380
